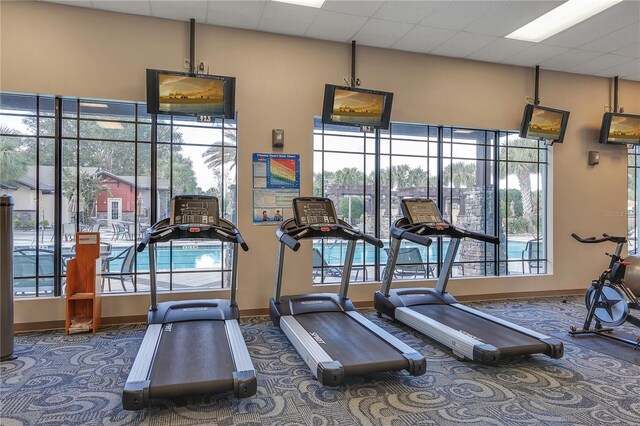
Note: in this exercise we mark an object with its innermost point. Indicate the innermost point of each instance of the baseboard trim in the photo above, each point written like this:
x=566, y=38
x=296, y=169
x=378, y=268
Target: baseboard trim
x=141, y=319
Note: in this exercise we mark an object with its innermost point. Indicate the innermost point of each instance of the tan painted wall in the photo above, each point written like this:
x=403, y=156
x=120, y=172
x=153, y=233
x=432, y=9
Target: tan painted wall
x=53, y=49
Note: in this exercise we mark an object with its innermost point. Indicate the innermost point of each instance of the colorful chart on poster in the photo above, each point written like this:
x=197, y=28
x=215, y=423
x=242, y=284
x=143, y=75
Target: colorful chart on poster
x=276, y=182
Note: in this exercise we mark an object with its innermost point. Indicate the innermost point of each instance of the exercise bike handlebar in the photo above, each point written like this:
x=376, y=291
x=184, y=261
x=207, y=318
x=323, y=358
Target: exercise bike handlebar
x=594, y=240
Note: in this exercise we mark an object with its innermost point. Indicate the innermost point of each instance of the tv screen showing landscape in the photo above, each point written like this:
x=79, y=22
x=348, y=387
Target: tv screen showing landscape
x=624, y=129
x=356, y=107
x=170, y=92
x=192, y=95
x=544, y=123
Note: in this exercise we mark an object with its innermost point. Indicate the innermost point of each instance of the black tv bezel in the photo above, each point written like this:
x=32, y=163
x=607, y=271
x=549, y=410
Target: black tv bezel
x=153, y=93
x=606, y=128
x=329, y=97
x=528, y=114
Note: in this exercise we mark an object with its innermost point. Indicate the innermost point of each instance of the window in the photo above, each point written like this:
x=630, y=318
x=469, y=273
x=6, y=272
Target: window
x=483, y=180
x=106, y=188
x=633, y=165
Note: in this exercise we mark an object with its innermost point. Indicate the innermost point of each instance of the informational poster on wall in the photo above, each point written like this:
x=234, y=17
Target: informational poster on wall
x=276, y=182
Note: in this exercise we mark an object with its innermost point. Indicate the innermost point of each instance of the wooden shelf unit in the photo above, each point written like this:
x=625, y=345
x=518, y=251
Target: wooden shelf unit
x=83, y=281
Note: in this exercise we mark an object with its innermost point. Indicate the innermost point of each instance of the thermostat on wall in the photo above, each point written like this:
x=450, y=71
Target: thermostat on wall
x=277, y=138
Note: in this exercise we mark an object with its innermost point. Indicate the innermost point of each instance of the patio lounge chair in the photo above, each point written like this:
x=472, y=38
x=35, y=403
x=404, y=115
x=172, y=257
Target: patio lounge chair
x=24, y=271
x=126, y=270
x=321, y=266
x=410, y=264
x=531, y=256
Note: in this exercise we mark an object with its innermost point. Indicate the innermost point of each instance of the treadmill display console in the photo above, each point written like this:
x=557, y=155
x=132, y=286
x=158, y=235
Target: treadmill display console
x=421, y=210
x=194, y=209
x=314, y=211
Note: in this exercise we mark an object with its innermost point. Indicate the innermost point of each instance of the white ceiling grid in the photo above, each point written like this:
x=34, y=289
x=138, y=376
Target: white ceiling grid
x=606, y=44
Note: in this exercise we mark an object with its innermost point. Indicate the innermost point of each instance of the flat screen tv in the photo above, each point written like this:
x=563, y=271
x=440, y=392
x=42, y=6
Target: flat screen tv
x=543, y=123
x=177, y=93
x=351, y=106
x=623, y=129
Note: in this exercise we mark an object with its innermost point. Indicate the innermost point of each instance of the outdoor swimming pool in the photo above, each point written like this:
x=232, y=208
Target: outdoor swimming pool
x=208, y=256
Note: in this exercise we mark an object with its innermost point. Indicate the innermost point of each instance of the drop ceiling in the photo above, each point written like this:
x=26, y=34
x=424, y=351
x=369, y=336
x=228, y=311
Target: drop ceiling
x=606, y=45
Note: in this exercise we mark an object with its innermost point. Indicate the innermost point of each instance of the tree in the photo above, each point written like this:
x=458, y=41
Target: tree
x=90, y=187
x=13, y=158
x=459, y=174
x=418, y=178
x=348, y=176
x=100, y=148
x=522, y=163
x=351, y=207
x=215, y=156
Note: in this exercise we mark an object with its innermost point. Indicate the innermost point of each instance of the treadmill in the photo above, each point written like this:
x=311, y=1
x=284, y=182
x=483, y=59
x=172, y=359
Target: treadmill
x=332, y=338
x=193, y=346
x=470, y=333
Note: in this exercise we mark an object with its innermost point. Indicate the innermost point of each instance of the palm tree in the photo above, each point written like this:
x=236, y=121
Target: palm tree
x=522, y=163
x=349, y=176
x=460, y=174
x=90, y=187
x=13, y=160
x=215, y=156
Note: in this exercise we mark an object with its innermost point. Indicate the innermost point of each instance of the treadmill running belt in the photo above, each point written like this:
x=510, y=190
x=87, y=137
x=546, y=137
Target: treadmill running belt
x=358, y=350
x=510, y=342
x=192, y=357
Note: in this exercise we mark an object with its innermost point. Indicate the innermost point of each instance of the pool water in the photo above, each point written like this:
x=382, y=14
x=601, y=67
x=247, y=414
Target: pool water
x=209, y=256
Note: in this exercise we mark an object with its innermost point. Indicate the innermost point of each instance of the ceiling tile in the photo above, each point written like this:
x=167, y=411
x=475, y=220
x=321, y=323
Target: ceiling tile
x=358, y=8
x=600, y=63
x=615, y=40
x=410, y=12
x=625, y=68
x=456, y=15
x=284, y=18
x=633, y=50
x=499, y=50
x=379, y=33
x=236, y=14
x=79, y=3
x=569, y=59
x=633, y=76
x=335, y=26
x=423, y=39
x=462, y=44
x=510, y=16
x=123, y=6
x=180, y=11
x=535, y=55
x=608, y=21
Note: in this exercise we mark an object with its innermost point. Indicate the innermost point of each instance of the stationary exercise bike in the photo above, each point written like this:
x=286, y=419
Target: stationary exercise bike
x=608, y=299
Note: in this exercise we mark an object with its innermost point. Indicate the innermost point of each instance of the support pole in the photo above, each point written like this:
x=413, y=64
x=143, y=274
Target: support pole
x=6, y=278
x=192, y=46
x=353, y=63
x=615, y=94
x=536, y=97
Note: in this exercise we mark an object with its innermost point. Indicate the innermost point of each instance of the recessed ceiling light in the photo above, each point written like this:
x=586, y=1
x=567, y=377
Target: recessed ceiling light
x=92, y=105
x=113, y=125
x=559, y=19
x=311, y=3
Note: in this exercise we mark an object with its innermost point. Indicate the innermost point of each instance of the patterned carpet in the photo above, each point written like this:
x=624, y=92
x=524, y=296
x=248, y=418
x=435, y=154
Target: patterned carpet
x=77, y=380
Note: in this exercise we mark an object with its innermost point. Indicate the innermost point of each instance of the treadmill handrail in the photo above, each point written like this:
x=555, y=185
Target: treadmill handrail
x=403, y=230
x=162, y=232
x=291, y=236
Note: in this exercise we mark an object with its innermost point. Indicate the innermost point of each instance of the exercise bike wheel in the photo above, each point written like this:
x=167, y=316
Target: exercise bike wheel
x=612, y=309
